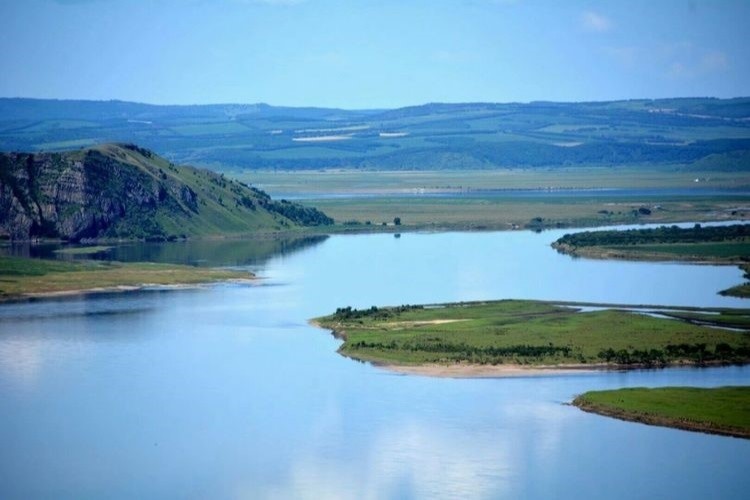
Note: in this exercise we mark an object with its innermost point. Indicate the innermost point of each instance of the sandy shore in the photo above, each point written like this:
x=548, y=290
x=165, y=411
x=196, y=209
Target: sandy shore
x=489, y=371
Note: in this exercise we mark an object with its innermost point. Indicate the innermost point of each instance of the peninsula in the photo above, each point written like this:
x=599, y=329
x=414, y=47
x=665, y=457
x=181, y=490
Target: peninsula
x=721, y=410
x=511, y=337
x=711, y=244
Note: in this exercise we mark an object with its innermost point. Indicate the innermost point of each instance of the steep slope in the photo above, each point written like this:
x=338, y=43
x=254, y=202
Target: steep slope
x=123, y=191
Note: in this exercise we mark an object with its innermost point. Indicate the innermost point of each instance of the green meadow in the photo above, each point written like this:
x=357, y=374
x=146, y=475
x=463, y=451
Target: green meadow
x=20, y=276
x=534, y=333
x=721, y=410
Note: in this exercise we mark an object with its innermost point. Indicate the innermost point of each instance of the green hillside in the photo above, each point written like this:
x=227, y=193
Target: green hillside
x=124, y=191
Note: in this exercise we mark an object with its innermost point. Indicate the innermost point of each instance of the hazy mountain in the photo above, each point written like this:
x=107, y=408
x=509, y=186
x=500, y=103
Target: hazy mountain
x=705, y=132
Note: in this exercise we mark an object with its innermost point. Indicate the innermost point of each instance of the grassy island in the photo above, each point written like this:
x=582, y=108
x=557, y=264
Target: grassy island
x=723, y=410
x=531, y=334
x=29, y=277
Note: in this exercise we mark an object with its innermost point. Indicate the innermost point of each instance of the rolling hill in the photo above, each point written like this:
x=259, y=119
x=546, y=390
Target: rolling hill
x=123, y=191
x=705, y=133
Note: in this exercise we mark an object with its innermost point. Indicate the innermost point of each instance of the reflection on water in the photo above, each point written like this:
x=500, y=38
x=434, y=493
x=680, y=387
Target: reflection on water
x=225, y=391
x=240, y=252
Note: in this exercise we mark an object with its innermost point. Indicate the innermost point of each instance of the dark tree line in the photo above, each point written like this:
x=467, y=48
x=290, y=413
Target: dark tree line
x=664, y=234
x=345, y=313
x=466, y=351
x=697, y=353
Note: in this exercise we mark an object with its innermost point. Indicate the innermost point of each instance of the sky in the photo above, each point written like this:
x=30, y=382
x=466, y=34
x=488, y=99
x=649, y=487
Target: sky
x=373, y=53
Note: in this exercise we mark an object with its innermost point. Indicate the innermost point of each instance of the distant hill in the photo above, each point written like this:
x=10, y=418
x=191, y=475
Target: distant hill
x=704, y=133
x=124, y=191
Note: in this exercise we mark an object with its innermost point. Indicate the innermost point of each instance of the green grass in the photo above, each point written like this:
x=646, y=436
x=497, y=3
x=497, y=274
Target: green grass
x=504, y=212
x=20, y=276
x=730, y=244
x=530, y=332
x=14, y=266
x=721, y=245
x=723, y=410
x=73, y=143
x=723, y=250
x=52, y=125
x=742, y=290
x=89, y=250
x=738, y=291
x=221, y=128
x=397, y=194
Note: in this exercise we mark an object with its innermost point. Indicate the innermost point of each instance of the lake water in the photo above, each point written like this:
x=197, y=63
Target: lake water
x=226, y=392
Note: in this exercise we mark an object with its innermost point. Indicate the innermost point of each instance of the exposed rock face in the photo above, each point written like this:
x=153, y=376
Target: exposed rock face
x=123, y=191
x=59, y=195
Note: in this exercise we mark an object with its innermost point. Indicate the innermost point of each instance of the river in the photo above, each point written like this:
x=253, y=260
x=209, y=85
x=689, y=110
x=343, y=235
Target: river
x=226, y=391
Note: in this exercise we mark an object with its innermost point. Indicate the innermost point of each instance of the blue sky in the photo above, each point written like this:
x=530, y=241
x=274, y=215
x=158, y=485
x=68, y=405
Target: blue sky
x=373, y=53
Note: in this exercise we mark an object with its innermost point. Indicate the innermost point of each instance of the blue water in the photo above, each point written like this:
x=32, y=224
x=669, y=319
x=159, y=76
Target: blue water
x=226, y=391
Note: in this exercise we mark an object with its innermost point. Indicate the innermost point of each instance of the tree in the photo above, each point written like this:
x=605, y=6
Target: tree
x=397, y=221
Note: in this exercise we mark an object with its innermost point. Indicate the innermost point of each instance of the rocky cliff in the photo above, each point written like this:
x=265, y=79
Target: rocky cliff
x=123, y=191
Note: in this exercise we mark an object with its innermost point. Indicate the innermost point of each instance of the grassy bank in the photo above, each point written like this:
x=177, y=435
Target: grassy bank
x=26, y=277
x=742, y=290
x=719, y=244
x=534, y=333
x=506, y=212
x=490, y=199
x=723, y=410
x=498, y=211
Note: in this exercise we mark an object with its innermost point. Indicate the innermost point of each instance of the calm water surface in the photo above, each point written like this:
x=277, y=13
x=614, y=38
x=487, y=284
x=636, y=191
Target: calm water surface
x=227, y=392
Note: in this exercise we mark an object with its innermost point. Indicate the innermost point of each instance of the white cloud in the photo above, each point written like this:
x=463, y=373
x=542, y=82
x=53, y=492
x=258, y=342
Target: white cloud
x=594, y=21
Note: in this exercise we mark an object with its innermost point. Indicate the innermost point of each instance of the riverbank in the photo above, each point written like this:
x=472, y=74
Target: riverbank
x=502, y=211
x=28, y=278
x=523, y=337
x=486, y=371
x=469, y=370
x=723, y=410
x=717, y=245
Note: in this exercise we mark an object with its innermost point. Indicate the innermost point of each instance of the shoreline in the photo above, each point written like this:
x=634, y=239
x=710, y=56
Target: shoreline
x=514, y=368
x=53, y=294
x=465, y=370
x=470, y=371
x=636, y=256
x=658, y=421
x=477, y=226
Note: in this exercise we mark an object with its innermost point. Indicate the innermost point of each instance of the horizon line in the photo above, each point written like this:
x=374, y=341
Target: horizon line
x=261, y=103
